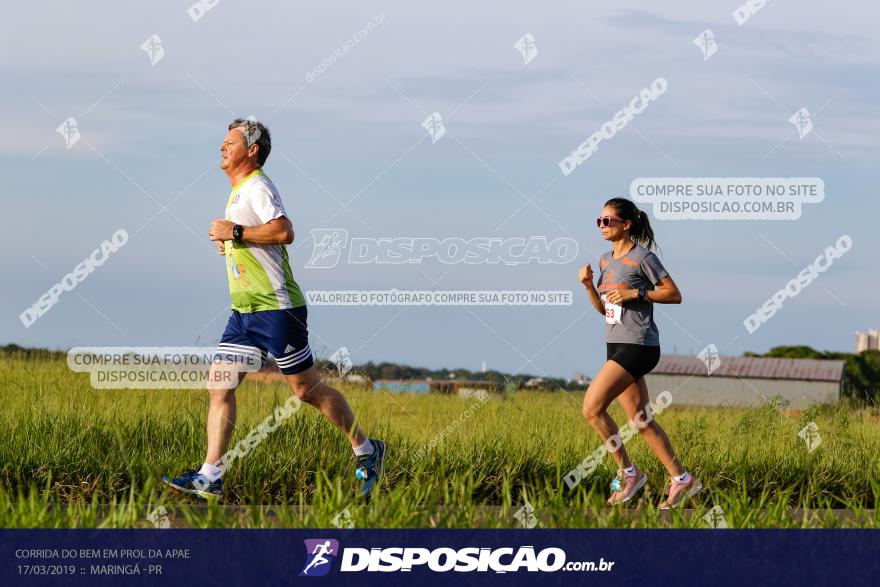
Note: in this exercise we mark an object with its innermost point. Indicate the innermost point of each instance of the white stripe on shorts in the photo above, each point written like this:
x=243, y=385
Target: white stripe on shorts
x=239, y=347
x=294, y=359
x=295, y=355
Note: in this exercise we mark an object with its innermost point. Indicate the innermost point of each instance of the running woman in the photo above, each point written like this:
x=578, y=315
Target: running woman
x=631, y=281
x=268, y=313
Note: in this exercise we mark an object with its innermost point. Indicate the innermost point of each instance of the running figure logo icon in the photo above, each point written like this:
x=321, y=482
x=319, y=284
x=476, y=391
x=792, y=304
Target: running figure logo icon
x=710, y=358
x=802, y=122
x=706, y=42
x=342, y=359
x=70, y=131
x=434, y=125
x=527, y=48
x=328, y=246
x=153, y=48
x=319, y=554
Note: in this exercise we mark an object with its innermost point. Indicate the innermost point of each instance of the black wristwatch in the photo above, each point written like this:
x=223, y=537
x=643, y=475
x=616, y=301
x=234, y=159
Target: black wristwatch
x=237, y=232
x=643, y=294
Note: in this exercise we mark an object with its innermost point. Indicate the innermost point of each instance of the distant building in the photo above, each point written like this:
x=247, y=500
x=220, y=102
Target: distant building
x=866, y=341
x=747, y=381
x=413, y=386
x=460, y=387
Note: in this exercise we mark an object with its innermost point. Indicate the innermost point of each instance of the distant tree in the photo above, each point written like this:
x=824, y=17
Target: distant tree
x=794, y=352
x=18, y=352
x=370, y=370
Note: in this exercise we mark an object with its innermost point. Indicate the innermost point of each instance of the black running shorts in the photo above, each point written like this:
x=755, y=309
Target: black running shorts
x=637, y=359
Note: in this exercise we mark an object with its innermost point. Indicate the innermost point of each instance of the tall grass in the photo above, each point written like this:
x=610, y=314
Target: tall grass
x=68, y=451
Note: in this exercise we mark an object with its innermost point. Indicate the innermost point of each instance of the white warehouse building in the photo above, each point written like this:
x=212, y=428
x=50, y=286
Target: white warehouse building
x=747, y=381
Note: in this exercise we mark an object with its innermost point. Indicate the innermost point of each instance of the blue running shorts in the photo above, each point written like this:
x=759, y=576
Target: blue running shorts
x=281, y=333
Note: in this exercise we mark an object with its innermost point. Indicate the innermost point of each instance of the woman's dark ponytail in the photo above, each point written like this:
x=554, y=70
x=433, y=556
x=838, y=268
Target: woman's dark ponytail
x=641, y=231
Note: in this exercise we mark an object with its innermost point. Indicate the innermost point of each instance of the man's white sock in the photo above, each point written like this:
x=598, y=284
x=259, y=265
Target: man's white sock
x=683, y=478
x=630, y=471
x=211, y=472
x=364, y=449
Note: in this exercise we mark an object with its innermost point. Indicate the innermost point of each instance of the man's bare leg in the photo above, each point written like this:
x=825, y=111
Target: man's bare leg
x=221, y=420
x=370, y=453
x=308, y=387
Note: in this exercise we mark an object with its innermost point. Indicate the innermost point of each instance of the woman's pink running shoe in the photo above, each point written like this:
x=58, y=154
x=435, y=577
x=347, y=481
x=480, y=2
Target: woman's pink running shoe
x=680, y=492
x=625, y=487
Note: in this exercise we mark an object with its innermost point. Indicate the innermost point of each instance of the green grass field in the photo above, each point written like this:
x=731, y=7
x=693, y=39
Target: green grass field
x=72, y=456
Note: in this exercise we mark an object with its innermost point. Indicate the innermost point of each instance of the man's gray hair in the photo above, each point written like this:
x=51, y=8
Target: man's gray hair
x=255, y=133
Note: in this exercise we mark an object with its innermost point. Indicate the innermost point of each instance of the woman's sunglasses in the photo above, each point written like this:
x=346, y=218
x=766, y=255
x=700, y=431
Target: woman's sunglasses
x=607, y=220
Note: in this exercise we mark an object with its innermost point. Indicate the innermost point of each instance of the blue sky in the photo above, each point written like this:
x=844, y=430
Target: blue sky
x=150, y=136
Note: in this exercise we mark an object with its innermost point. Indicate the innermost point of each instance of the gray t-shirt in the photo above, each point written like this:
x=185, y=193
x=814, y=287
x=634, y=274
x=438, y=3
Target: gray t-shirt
x=638, y=268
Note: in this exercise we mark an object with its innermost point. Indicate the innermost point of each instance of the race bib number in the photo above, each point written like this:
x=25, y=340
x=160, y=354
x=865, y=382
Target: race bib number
x=613, y=312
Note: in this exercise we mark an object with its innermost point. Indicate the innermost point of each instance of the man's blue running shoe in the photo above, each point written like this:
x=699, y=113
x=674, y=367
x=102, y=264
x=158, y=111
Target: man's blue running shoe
x=371, y=468
x=193, y=483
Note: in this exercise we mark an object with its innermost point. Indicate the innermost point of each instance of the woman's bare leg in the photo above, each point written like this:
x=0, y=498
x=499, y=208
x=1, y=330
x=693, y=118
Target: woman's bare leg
x=609, y=383
x=635, y=399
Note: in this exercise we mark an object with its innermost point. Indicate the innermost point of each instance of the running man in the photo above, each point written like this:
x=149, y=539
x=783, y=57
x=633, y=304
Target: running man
x=631, y=281
x=319, y=559
x=268, y=313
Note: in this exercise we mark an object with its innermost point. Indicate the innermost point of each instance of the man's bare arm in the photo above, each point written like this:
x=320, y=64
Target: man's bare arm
x=275, y=232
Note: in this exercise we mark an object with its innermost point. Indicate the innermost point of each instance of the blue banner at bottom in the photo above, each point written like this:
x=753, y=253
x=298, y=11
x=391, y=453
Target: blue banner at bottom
x=439, y=557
